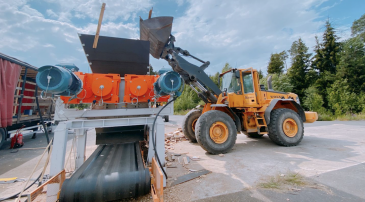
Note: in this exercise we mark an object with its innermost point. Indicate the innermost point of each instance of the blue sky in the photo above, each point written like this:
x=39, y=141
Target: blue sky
x=241, y=32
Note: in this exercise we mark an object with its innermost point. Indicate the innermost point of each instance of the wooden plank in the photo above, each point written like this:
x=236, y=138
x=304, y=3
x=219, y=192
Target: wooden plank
x=21, y=80
x=99, y=25
x=25, y=97
x=59, y=179
x=16, y=100
x=189, y=176
x=25, y=89
x=157, y=185
x=150, y=13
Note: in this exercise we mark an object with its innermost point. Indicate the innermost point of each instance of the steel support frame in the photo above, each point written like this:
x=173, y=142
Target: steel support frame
x=63, y=114
x=81, y=125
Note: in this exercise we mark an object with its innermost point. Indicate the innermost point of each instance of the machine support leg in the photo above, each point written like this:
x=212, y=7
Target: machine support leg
x=81, y=146
x=160, y=144
x=57, y=158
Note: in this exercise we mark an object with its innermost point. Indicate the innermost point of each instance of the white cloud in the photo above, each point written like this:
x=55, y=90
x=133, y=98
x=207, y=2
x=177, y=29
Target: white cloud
x=180, y=2
x=41, y=41
x=245, y=32
x=51, y=13
x=48, y=45
x=114, y=10
x=30, y=11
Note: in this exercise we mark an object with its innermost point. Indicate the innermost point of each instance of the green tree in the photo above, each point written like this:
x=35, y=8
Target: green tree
x=281, y=83
x=358, y=27
x=326, y=60
x=352, y=64
x=313, y=101
x=226, y=67
x=300, y=65
x=151, y=70
x=317, y=59
x=276, y=63
x=329, y=50
x=261, y=74
x=341, y=99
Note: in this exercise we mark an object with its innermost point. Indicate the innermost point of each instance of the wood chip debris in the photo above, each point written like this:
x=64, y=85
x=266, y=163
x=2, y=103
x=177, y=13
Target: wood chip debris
x=173, y=138
x=186, y=161
x=195, y=158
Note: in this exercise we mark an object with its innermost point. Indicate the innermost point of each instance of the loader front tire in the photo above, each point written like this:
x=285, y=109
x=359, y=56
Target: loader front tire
x=216, y=132
x=189, y=122
x=286, y=127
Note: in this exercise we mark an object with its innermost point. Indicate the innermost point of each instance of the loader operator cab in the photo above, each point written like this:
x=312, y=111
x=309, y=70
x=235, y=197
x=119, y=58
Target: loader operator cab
x=231, y=82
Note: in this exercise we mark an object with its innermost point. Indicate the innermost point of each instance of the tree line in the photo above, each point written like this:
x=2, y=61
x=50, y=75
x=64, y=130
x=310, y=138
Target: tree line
x=329, y=80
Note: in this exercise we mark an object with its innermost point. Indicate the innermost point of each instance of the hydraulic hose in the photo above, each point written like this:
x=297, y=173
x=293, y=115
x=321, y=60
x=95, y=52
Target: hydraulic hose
x=154, y=136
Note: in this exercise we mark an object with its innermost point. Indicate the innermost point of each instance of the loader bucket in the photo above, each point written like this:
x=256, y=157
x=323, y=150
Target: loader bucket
x=156, y=30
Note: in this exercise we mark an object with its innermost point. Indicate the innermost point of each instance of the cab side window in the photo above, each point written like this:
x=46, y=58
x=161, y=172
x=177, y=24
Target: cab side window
x=248, y=83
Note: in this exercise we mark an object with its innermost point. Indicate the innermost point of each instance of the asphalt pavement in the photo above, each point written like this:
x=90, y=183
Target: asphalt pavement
x=331, y=157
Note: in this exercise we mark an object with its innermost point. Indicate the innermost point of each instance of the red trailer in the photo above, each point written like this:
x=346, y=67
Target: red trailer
x=17, y=97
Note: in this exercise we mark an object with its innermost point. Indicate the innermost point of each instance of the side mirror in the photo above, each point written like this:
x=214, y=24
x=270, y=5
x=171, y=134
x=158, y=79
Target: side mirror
x=237, y=74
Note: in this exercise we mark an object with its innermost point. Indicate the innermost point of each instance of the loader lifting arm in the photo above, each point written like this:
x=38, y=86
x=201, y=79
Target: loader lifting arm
x=192, y=74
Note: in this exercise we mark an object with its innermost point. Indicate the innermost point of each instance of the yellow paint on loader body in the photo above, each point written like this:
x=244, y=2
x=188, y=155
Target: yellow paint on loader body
x=250, y=102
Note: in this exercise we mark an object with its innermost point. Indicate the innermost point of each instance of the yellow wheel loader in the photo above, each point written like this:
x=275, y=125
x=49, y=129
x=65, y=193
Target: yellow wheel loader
x=238, y=104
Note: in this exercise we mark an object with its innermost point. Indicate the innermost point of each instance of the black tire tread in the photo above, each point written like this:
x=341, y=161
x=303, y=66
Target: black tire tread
x=274, y=133
x=186, y=131
x=202, y=121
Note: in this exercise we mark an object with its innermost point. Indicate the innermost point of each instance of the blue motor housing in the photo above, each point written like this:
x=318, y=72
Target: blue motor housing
x=58, y=80
x=168, y=82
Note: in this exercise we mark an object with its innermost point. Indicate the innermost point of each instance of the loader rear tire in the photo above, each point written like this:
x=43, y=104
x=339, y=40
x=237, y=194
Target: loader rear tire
x=286, y=127
x=216, y=132
x=189, y=122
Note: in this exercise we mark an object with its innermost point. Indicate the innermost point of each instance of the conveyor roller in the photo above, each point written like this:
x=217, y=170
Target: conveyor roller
x=111, y=173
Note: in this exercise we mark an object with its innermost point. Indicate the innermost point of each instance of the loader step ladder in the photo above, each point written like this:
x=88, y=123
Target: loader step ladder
x=261, y=126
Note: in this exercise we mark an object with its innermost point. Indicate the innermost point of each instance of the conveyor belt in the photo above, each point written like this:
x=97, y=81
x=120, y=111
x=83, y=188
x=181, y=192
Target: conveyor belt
x=111, y=173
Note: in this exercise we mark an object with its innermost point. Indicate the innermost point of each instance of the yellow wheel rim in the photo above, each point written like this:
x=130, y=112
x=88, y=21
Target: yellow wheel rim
x=218, y=132
x=193, y=124
x=290, y=127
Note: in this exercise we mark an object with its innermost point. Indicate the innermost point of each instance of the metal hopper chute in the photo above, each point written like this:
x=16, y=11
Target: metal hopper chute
x=157, y=31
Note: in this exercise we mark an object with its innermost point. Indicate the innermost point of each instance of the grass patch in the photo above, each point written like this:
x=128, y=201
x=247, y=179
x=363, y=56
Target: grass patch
x=326, y=117
x=182, y=112
x=351, y=117
x=345, y=117
x=282, y=181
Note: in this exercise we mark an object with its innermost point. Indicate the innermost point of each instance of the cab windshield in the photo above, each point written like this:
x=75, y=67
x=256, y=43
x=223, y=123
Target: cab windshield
x=230, y=83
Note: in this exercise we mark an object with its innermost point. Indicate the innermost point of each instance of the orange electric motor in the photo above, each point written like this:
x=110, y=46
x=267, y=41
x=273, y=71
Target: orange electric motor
x=139, y=88
x=96, y=87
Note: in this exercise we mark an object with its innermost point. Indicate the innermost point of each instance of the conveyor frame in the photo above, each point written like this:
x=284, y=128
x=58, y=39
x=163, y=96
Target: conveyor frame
x=80, y=125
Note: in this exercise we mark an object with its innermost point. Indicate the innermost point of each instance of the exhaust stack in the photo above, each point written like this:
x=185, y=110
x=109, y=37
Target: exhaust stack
x=269, y=83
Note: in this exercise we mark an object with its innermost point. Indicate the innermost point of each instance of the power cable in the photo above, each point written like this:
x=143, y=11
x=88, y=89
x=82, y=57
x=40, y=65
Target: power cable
x=46, y=133
x=154, y=136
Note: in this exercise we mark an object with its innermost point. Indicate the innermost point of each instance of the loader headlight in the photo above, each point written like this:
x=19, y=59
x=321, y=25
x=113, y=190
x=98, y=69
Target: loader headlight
x=297, y=100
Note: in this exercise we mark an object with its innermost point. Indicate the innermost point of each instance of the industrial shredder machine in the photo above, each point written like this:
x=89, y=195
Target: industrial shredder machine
x=126, y=105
